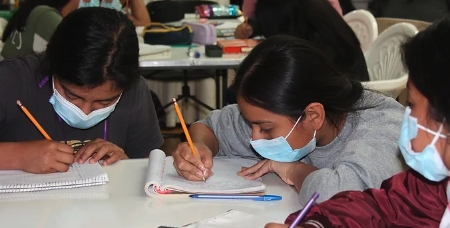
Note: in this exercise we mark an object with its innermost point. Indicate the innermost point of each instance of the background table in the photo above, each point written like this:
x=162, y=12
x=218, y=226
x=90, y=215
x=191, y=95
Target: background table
x=128, y=206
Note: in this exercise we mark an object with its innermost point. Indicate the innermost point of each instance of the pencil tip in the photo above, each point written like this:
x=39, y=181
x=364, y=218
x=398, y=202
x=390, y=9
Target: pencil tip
x=19, y=103
x=174, y=100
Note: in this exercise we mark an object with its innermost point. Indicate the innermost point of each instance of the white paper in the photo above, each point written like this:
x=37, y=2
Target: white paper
x=234, y=219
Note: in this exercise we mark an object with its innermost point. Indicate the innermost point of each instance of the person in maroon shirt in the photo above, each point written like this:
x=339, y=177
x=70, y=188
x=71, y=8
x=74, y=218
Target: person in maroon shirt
x=417, y=197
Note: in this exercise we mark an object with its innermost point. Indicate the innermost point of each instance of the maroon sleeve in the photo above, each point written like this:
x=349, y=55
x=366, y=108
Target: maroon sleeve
x=404, y=200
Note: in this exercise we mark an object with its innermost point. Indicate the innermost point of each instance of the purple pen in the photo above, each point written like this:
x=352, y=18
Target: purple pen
x=305, y=210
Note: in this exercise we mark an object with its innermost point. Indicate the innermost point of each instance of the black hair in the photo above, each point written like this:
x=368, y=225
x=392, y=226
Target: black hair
x=426, y=57
x=284, y=74
x=94, y=45
x=313, y=20
x=19, y=19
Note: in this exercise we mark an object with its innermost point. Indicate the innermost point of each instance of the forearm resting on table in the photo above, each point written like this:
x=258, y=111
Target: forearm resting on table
x=10, y=156
x=298, y=173
x=200, y=133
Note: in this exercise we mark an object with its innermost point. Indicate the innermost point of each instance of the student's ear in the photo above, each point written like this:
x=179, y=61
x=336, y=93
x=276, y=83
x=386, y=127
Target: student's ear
x=315, y=115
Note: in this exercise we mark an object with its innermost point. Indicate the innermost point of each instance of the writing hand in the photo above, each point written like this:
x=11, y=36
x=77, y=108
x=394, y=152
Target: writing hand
x=191, y=167
x=45, y=156
x=100, y=149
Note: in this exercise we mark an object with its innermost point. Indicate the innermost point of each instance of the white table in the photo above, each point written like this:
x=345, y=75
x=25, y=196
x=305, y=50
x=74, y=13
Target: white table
x=128, y=206
x=181, y=61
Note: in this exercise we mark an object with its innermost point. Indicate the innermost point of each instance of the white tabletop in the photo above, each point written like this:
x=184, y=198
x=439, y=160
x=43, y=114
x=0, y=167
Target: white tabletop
x=179, y=59
x=126, y=205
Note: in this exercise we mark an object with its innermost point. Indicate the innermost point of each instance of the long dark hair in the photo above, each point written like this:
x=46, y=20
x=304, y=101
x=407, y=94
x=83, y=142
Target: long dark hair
x=94, y=45
x=19, y=19
x=426, y=57
x=313, y=20
x=284, y=74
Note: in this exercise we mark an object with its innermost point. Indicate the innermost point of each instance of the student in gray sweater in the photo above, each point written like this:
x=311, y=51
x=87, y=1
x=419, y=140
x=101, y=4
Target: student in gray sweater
x=317, y=129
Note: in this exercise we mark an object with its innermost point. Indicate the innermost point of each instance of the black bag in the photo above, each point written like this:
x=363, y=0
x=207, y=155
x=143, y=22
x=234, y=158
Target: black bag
x=165, y=11
x=158, y=33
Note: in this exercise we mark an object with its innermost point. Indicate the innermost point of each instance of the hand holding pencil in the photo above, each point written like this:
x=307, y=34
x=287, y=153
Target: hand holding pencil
x=192, y=160
x=42, y=156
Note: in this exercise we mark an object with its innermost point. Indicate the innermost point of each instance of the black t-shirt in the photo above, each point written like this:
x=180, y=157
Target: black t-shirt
x=133, y=126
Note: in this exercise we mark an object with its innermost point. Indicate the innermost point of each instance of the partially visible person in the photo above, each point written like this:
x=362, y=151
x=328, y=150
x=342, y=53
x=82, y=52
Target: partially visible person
x=422, y=10
x=420, y=196
x=312, y=20
x=248, y=7
x=137, y=12
x=86, y=92
x=30, y=28
x=315, y=127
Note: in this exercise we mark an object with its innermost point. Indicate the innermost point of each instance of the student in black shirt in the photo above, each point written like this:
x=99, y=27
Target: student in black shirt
x=85, y=91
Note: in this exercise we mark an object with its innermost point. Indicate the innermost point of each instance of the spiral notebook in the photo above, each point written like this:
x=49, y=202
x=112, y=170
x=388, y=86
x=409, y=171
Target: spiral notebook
x=163, y=180
x=78, y=175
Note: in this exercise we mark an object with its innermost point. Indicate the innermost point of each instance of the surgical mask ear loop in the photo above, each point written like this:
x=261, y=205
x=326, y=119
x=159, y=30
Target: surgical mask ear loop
x=296, y=122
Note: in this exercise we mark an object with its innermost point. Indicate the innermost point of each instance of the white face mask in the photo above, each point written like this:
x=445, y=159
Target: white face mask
x=74, y=116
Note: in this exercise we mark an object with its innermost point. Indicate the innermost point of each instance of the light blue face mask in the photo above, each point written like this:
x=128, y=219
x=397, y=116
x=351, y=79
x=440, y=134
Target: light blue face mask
x=278, y=149
x=74, y=116
x=115, y=4
x=428, y=162
x=91, y=3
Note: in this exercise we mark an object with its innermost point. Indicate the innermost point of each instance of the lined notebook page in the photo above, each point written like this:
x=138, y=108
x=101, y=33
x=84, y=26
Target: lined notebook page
x=78, y=175
x=224, y=180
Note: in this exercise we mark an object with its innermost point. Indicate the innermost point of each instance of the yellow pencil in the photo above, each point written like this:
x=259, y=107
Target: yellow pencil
x=186, y=132
x=36, y=124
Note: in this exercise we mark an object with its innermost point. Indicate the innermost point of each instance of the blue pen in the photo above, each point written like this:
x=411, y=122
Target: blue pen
x=245, y=197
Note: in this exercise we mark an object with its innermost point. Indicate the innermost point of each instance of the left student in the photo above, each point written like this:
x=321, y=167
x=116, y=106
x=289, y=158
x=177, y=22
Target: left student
x=86, y=92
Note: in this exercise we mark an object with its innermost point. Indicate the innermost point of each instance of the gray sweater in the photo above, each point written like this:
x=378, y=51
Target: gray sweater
x=363, y=154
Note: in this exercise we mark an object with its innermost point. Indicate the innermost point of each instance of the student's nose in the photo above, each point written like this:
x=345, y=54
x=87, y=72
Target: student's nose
x=86, y=108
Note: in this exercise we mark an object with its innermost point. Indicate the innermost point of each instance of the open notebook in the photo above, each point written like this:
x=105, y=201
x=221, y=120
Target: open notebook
x=162, y=178
x=78, y=175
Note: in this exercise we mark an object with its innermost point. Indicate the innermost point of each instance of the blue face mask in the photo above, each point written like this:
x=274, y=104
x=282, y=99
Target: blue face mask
x=114, y=4
x=74, y=116
x=428, y=162
x=91, y=3
x=279, y=150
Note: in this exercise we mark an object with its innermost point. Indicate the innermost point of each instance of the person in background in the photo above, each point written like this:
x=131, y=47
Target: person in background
x=248, y=7
x=86, y=92
x=31, y=27
x=318, y=129
x=313, y=20
x=422, y=10
x=420, y=196
x=136, y=10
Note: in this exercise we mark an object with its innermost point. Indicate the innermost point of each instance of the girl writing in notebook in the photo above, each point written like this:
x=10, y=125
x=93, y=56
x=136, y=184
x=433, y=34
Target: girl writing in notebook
x=319, y=130
x=85, y=91
x=420, y=196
